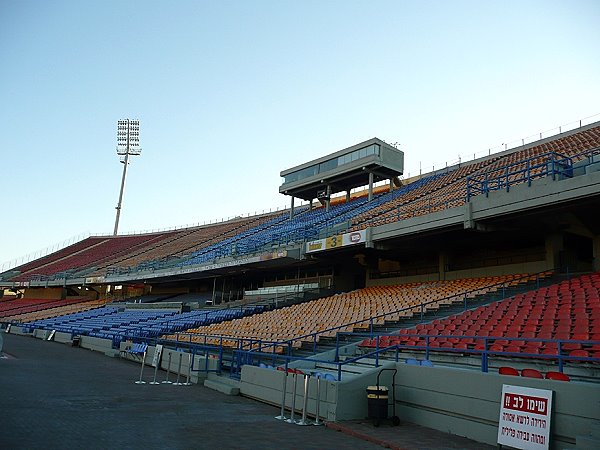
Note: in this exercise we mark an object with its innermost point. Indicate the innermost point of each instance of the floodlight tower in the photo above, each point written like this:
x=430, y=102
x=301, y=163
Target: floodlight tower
x=128, y=144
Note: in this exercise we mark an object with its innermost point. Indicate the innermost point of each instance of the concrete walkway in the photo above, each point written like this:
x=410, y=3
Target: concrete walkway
x=54, y=396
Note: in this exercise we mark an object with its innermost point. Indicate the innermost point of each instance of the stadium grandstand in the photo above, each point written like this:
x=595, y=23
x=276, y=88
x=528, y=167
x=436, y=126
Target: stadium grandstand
x=447, y=286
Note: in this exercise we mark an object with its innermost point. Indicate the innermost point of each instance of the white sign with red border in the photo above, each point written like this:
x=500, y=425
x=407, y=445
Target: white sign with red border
x=525, y=417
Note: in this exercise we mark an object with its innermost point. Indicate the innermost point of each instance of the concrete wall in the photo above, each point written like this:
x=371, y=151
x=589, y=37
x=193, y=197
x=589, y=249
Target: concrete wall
x=18, y=330
x=98, y=345
x=458, y=401
x=63, y=338
x=508, y=269
x=467, y=403
x=338, y=401
x=169, y=360
x=57, y=293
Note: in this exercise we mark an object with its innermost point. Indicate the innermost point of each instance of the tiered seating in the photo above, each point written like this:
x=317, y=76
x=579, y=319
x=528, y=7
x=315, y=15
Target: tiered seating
x=351, y=311
x=111, y=323
x=242, y=236
x=304, y=226
x=55, y=311
x=182, y=242
x=101, y=321
x=62, y=253
x=388, y=212
x=88, y=256
x=13, y=308
x=569, y=310
x=451, y=190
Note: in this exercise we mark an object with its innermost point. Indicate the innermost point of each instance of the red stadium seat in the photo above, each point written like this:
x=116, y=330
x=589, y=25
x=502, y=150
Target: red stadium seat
x=505, y=370
x=557, y=376
x=579, y=353
x=531, y=373
x=512, y=349
x=533, y=350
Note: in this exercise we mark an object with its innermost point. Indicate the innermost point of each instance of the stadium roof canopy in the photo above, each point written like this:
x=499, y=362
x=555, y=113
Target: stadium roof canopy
x=365, y=163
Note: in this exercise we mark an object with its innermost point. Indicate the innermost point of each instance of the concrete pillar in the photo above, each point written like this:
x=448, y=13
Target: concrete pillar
x=442, y=265
x=310, y=205
x=328, y=200
x=292, y=208
x=596, y=252
x=391, y=185
x=370, y=186
x=348, y=196
x=554, y=246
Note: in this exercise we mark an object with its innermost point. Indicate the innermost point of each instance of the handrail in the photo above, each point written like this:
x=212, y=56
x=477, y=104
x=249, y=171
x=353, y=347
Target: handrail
x=551, y=164
x=527, y=140
x=485, y=353
x=486, y=341
x=241, y=342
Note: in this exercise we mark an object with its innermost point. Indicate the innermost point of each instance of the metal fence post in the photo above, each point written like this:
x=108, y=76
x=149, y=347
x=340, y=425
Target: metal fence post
x=291, y=419
x=155, y=371
x=484, y=357
x=166, y=381
x=189, y=371
x=142, y=369
x=281, y=415
x=304, y=403
x=318, y=401
x=177, y=383
x=560, y=359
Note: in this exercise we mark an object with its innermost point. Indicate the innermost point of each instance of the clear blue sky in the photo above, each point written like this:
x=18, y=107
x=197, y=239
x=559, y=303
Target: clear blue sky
x=229, y=93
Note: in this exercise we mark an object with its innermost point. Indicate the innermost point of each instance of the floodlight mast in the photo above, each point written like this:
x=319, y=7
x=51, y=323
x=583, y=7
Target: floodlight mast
x=128, y=144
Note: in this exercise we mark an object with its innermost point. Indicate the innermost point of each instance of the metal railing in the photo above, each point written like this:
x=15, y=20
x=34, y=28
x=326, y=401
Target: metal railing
x=287, y=346
x=411, y=172
x=242, y=357
x=421, y=310
x=550, y=164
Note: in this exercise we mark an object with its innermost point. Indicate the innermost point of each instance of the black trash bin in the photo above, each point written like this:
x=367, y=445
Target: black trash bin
x=377, y=403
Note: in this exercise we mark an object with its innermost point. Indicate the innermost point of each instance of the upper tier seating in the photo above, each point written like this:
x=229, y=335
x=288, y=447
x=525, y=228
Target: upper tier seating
x=451, y=190
x=98, y=250
x=62, y=253
x=55, y=309
x=183, y=242
x=306, y=225
x=97, y=255
x=11, y=309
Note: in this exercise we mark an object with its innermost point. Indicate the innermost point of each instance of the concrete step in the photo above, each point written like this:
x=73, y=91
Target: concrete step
x=221, y=386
